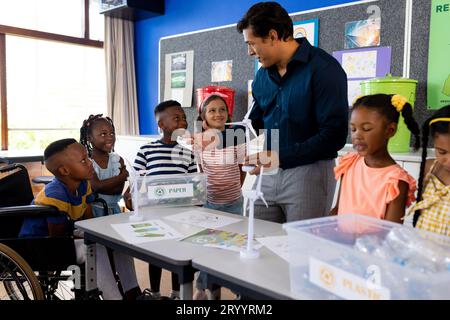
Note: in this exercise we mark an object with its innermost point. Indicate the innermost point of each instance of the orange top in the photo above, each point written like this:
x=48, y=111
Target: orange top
x=368, y=191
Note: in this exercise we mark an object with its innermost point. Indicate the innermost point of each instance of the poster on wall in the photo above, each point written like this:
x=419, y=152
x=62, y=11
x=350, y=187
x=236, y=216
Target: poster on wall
x=222, y=71
x=363, y=64
x=438, y=85
x=363, y=33
x=308, y=29
x=179, y=77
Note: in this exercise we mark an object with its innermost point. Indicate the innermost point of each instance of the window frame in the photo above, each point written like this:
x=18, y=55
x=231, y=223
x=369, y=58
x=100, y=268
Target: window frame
x=38, y=35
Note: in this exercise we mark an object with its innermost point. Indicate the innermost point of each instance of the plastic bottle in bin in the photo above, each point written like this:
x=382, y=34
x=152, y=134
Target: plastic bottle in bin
x=225, y=92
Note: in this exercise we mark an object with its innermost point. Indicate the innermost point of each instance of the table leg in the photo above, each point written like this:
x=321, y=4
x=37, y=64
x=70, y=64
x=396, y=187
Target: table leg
x=91, y=272
x=186, y=291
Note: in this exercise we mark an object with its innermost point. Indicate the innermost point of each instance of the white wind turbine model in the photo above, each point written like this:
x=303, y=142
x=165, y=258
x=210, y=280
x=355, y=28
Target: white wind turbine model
x=247, y=123
x=133, y=179
x=252, y=196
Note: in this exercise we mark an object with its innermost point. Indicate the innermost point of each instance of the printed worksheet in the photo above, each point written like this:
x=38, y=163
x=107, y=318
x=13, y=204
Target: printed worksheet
x=220, y=239
x=145, y=231
x=202, y=219
x=277, y=244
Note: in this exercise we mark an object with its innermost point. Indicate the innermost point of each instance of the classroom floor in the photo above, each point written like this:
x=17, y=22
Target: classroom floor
x=143, y=280
x=142, y=276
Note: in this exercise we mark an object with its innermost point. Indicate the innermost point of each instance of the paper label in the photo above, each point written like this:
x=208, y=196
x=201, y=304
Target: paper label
x=344, y=284
x=170, y=191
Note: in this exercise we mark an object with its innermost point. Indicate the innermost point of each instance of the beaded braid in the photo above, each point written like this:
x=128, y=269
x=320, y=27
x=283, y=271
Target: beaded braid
x=411, y=124
x=425, y=134
x=86, y=129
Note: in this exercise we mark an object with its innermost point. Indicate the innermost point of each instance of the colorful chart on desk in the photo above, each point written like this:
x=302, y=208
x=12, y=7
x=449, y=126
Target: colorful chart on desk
x=146, y=231
x=220, y=239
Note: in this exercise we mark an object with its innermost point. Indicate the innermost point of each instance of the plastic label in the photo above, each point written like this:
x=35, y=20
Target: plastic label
x=344, y=284
x=170, y=191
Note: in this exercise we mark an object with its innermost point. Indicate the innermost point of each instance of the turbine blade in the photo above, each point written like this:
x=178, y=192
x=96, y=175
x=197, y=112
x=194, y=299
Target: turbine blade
x=264, y=200
x=236, y=123
x=249, y=111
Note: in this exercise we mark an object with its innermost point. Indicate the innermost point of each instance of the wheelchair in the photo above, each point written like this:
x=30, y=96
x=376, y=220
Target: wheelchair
x=34, y=268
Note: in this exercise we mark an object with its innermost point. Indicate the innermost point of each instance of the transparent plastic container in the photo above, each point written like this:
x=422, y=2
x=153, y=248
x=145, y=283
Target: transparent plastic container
x=347, y=257
x=170, y=190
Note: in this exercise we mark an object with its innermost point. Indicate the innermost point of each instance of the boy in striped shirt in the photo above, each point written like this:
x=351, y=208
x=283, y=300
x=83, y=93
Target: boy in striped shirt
x=166, y=156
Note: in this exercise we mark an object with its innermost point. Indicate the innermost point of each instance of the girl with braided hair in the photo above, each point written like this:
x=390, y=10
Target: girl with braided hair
x=432, y=209
x=372, y=183
x=98, y=136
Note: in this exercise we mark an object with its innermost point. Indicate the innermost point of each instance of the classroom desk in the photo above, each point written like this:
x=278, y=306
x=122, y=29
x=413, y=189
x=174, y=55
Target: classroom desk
x=266, y=277
x=174, y=255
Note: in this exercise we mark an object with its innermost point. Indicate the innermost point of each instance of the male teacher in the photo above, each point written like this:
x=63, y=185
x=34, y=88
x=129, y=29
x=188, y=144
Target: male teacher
x=301, y=91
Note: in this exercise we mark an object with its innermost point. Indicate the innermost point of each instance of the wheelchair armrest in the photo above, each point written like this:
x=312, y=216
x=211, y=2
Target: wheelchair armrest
x=102, y=202
x=32, y=211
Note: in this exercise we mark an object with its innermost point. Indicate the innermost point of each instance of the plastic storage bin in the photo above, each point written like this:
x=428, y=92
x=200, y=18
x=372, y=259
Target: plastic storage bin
x=394, y=85
x=325, y=263
x=170, y=190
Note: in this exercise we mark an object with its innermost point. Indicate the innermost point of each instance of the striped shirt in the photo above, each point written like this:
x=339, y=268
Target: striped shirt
x=221, y=166
x=158, y=158
x=223, y=174
x=71, y=207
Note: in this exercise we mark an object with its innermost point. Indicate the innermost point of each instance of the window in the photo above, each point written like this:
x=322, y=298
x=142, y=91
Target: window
x=55, y=79
x=44, y=15
x=51, y=88
x=96, y=21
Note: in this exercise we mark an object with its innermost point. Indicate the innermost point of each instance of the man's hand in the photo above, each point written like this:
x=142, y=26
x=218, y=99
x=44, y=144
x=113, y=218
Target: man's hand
x=268, y=159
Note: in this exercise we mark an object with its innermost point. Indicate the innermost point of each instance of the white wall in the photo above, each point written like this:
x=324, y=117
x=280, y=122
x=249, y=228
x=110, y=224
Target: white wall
x=128, y=146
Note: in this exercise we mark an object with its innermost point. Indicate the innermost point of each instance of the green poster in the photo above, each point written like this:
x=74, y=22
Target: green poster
x=438, y=89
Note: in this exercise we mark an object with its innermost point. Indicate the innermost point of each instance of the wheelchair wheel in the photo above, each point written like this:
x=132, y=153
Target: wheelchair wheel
x=17, y=279
x=57, y=285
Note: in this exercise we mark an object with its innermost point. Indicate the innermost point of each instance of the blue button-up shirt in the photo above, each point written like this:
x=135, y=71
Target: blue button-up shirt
x=308, y=105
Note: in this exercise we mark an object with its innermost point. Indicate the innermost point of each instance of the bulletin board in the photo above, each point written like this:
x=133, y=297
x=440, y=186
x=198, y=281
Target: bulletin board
x=401, y=21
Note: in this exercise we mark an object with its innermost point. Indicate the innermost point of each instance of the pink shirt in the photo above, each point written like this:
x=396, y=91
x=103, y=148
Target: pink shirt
x=368, y=191
x=221, y=166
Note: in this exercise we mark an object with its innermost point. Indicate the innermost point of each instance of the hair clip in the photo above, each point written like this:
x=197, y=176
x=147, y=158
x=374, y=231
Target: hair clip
x=398, y=102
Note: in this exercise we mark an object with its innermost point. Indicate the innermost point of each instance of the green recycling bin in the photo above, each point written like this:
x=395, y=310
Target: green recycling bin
x=394, y=85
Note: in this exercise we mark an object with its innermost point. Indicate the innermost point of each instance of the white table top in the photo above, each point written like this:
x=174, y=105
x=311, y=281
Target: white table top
x=268, y=274
x=171, y=250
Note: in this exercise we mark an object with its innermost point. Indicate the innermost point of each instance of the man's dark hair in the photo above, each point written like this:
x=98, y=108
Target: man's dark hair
x=164, y=105
x=57, y=147
x=264, y=16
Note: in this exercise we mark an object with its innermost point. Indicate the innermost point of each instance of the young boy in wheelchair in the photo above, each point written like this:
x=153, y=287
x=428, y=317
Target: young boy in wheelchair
x=71, y=193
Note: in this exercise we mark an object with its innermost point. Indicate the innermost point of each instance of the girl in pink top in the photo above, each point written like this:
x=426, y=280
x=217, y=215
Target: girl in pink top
x=372, y=183
x=221, y=161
